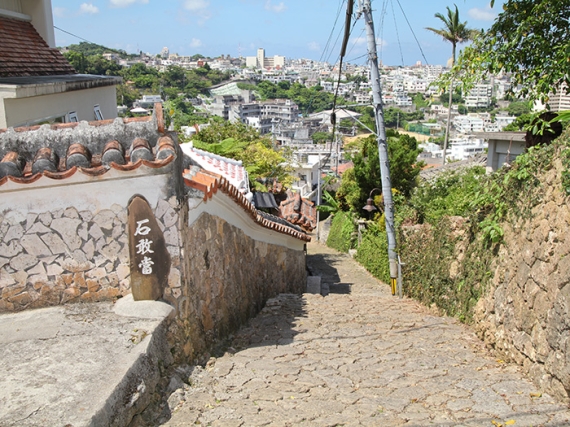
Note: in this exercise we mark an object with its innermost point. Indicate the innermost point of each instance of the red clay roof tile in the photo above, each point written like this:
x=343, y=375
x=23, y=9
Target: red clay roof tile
x=23, y=52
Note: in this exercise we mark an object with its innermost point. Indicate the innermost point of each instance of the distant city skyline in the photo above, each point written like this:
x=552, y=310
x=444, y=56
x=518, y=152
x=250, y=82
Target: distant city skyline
x=291, y=28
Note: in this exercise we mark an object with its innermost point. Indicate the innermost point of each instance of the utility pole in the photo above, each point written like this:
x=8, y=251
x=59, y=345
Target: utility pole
x=366, y=11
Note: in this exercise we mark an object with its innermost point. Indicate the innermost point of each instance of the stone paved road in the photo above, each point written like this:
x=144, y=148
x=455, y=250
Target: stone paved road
x=358, y=357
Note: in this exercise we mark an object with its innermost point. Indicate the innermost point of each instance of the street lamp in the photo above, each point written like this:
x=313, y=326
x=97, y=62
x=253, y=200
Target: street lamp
x=370, y=202
x=369, y=207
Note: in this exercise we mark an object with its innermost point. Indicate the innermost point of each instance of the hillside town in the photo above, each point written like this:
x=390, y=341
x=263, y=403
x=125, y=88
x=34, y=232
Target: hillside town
x=484, y=108
x=266, y=240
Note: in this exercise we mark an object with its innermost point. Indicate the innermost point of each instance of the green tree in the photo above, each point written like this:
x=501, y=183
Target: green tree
x=518, y=108
x=455, y=32
x=529, y=39
x=240, y=142
x=221, y=129
x=174, y=76
x=321, y=137
x=365, y=175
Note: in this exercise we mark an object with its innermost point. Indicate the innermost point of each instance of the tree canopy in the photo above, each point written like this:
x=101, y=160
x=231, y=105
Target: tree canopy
x=359, y=181
x=240, y=142
x=309, y=100
x=530, y=40
x=454, y=31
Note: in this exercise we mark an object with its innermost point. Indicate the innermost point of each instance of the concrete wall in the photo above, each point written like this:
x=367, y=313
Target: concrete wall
x=21, y=111
x=42, y=18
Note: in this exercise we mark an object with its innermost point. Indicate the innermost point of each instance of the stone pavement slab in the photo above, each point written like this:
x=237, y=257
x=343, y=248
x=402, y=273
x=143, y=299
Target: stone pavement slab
x=80, y=364
x=357, y=357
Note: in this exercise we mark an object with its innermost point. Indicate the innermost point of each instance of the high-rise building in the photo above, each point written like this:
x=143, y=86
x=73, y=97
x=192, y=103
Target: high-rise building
x=260, y=61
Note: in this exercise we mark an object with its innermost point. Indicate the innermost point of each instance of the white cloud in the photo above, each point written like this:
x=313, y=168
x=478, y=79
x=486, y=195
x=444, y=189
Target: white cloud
x=196, y=5
x=486, y=14
x=199, y=8
x=88, y=8
x=125, y=3
x=60, y=12
x=195, y=43
x=314, y=46
x=277, y=8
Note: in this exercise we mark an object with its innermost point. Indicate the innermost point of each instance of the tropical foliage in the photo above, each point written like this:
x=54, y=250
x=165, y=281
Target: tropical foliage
x=529, y=39
x=263, y=163
x=358, y=182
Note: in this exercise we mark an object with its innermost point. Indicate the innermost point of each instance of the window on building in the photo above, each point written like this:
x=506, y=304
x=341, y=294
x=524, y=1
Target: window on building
x=98, y=113
x=72, y=117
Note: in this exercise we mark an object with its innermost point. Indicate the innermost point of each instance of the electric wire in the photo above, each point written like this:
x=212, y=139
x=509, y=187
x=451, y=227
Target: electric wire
x=383, y=14
x=332, y=31
x=355, y=42
x=85, y=40
x=397, y=33
x=347, y=32
x=412, y=30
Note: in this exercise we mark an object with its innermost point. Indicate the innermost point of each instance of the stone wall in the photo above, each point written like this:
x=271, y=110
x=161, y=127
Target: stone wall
x=226, y=278
x=525, y=315
x=67, y=255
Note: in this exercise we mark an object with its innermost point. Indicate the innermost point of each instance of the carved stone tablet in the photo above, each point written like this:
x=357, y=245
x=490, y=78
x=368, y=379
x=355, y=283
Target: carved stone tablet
x=149, y=258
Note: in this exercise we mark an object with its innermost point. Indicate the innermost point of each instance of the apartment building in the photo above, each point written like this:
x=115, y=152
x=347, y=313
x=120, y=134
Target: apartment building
x=479, y=96
x=264, y=115
x=468, y=123
x=261, y=61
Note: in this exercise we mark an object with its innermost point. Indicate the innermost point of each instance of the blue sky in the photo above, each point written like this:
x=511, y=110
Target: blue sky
x=291, y=28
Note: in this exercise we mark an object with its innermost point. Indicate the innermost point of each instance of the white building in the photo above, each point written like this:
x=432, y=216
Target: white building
x=261, y=61
x=37, y=84
x=502, y=121
x=306, y=173
x=463, y=148
x=468, y=123
x=558, y=101
x=480, y=96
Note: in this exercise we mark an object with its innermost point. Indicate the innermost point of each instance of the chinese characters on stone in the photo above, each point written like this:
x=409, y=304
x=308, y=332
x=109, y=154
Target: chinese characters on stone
x=144, y=247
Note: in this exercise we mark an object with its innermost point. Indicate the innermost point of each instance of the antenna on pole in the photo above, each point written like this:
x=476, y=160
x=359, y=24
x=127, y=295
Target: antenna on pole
x=366, y=11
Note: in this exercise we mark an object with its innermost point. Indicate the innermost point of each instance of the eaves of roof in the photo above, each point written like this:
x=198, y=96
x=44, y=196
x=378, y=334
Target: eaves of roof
x=209, y=183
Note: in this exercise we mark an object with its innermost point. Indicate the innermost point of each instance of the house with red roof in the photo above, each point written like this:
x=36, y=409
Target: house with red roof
x=37, y=84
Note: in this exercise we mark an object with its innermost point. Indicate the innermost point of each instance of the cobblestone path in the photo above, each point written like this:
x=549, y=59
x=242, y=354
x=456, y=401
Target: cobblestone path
x=358, y=357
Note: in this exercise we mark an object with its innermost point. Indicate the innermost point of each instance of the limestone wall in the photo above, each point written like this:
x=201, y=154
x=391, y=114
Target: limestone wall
x=226, y=278
x=69, y=255
x=54, y=257
x=525, y=314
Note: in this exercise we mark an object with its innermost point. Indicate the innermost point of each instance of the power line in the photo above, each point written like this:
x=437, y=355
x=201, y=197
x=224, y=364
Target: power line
x=412, y=30
x=85, y=40
x=397, y=33
x=327, y=45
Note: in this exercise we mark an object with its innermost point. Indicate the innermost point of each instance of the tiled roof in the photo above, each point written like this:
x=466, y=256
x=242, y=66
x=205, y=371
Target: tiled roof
x=264, y=200
x=299, y=211
x=23, y=52
x=24, y=160
x=51, y=152
x=230, y=169
x=209, y=183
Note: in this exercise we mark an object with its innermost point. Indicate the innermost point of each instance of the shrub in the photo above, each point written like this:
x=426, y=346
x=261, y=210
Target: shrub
x=341, y=235
x=373, y=252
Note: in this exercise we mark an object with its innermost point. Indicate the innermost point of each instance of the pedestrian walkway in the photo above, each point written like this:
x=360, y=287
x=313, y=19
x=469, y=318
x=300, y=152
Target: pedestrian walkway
x=358, y=357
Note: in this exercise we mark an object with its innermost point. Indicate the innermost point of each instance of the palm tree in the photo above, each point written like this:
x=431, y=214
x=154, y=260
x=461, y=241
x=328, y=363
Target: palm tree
x=454, y=32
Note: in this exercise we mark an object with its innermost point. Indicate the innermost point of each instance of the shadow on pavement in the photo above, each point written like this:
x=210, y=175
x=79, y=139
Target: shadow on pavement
x=323, y=265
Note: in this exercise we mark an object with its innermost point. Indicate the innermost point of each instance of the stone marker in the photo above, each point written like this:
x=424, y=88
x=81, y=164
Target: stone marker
x=149, y=258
